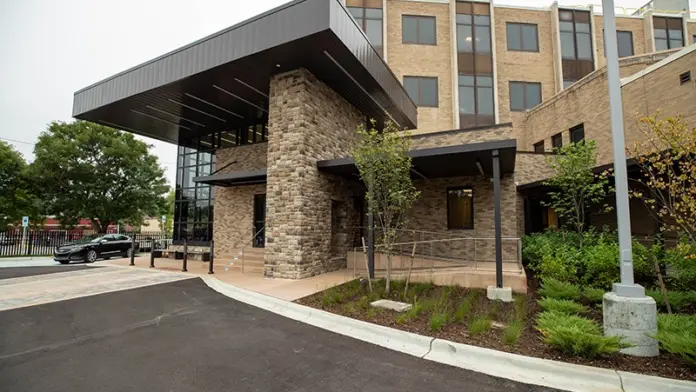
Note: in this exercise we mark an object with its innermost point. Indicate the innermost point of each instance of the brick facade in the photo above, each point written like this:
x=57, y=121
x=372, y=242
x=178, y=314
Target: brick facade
x=307, y=122
x=624, y=23
x=462, y=136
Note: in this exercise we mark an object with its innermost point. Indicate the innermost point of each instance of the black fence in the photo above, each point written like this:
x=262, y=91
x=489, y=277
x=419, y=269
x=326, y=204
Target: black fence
x=41, y=242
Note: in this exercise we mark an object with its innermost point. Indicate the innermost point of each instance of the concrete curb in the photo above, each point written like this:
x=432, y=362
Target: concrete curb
x=514, y=367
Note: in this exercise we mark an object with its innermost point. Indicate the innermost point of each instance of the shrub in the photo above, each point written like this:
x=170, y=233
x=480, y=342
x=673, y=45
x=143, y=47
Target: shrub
x=601, y=262
x=682, y=266
x=593, y=295
x=480, y=325
x=576, y=335
x=438, y=320
x=553, y=288
x=520, y=308
x=677, y=335
x=678, y=300
x=562, y=306
x=512, y=332
x=552, y=254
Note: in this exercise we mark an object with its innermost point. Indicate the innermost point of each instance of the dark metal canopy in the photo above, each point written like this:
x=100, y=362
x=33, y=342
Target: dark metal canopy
x=221, y=82
x=236, y=178
x=451, y=161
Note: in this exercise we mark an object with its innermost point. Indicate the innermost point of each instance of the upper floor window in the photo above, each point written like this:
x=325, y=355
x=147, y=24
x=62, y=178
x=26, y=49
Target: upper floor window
x=475, y=94
x=568, y=82
x=522, y=37
x=524, y=95
x=460, y=208
x=473, y=33
x=418, y=30
x=624, y=40
x=557, y=140
x=576, y=38
x=422, y=90
x=668, y=33
x=539, y=147
x=577, y=133
x=370, y=20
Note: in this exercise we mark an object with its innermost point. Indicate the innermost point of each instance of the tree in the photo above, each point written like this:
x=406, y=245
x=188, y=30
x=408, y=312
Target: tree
x=86, y=170
x=168, y=211
x=385, y=168
x=668, y=164
x=576, y=187
x=17, y=197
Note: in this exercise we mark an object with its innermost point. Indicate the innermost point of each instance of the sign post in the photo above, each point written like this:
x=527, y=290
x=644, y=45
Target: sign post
x=25, y=224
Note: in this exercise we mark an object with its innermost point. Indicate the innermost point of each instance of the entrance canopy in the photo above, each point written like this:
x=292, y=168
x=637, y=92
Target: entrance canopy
x=451, y=161
x=221, y=82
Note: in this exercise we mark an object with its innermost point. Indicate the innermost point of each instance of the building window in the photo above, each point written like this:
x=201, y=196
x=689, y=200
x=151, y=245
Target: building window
x=460, y=208
x=624, y=40
x=370, y=20
x=473, y=33
x=522, y=37
x=557, y=141
x=568, y=82
x=539, y=147
x=577, y=133
x=524, y=95
x=475, y=94
x=576, y=39
x=418, y=30
x=422, y=90
x=668, y=33
x=693, y=39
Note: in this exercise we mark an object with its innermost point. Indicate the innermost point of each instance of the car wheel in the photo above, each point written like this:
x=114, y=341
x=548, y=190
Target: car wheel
x=91, y=256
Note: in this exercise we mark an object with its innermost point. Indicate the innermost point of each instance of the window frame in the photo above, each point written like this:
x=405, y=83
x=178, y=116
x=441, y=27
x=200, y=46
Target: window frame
x=362, y=22
x=519, y=25
x=476, y=88
x=539, y=144
x=572, y=131
x=524, y=94
x=420, y=89
x=665, y=26
x=558, y=136
x=575, y=34
x=618, y=46
x=472, y=209
x=418, y=18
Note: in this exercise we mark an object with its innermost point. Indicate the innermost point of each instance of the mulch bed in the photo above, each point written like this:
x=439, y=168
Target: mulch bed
x=530, y=342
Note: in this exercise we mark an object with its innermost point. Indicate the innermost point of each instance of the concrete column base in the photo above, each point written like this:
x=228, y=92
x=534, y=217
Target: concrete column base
x=499, y=293
x=634, y=319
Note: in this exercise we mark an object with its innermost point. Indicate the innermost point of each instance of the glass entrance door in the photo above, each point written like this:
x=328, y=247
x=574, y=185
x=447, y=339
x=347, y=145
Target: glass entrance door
x=259, y=221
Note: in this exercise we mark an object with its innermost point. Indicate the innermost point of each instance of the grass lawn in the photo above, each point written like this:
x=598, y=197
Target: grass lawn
x=467, y=316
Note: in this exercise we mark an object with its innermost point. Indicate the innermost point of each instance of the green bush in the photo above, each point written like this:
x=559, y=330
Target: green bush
x=479, y=325
x=553, y=288
x=576, y=335
x=677, y=335
x=593, y=295
x=512, y=332
x=678, y=300
x=438, y=320
x=562, y=306
x=601, y=262
x=682, y=266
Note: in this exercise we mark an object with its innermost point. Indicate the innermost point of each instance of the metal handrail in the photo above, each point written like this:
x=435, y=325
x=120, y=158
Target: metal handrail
x=250, y=241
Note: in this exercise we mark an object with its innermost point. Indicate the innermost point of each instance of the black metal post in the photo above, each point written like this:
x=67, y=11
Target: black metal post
x=371, y=244
x=212, y=257
x=183, y=268
x=152, y=257
x=132, y=255
x=496, y=218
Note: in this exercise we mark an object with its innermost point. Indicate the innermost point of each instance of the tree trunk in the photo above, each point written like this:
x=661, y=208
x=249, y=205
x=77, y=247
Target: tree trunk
x=389, y=261
x=410, y=268
x=663, y=289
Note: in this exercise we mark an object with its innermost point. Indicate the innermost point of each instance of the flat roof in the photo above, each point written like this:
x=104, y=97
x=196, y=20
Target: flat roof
x=234, y=178
x=221, y=82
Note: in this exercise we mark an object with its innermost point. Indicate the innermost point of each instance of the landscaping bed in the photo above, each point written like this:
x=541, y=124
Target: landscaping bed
x=467, y=316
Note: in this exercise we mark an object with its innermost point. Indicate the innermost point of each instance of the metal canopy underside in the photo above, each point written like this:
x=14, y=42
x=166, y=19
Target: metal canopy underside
x=439, y=162
x=234, y=178
x=222, y=81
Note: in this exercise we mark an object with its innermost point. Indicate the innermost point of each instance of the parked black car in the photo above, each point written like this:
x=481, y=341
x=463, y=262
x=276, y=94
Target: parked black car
x=91, y=248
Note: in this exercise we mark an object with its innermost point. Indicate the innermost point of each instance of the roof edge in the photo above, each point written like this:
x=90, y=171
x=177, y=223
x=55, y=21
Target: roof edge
x=676, y=56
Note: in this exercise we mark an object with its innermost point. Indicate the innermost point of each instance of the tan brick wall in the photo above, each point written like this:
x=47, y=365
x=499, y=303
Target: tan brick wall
x=430, y=214
x=233, y=225
x=249, y=157
x=531, y=167
x=691, y=29
x=632, y=24
x=307, y=122
x=453, y=138
x=424, y=60
x=523, y=66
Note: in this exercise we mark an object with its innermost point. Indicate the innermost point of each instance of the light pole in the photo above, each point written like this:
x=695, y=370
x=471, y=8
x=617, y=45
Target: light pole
x=627, y=311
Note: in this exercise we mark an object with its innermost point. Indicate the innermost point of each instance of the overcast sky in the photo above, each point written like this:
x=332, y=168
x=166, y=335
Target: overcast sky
x=52, y=48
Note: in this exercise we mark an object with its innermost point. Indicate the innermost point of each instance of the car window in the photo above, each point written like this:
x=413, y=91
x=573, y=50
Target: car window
x=110, y=237
x=122, y=238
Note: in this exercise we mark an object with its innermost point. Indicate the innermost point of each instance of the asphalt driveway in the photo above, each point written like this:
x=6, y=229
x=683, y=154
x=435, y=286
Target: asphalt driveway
x=20, y=272
x=183, y=336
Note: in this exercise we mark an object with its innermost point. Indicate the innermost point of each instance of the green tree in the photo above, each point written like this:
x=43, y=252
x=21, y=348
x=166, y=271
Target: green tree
x=385, y=168
x=168, y=211
x=575, y=186
x=17, y=196
x=86, y=170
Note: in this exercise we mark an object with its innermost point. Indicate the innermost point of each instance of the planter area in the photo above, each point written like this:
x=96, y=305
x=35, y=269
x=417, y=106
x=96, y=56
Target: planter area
x=567, y=328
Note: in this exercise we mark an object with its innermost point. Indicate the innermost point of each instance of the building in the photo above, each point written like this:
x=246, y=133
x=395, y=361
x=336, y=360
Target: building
x=264, y=114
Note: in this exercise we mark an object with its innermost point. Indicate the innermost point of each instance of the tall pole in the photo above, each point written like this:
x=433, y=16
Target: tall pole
x=627, y=287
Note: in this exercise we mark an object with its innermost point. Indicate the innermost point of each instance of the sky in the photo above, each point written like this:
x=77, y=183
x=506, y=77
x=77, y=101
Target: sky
x=52, y=48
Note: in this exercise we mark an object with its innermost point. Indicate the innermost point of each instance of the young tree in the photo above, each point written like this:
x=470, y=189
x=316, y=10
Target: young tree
x=86, y=170
x=576, y=187
x=385, y=168
x=17, y=196
x=668, y=162
x=168, y=211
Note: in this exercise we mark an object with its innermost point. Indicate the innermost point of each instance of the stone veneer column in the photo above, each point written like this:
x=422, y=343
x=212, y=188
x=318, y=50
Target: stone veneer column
x=308, y=122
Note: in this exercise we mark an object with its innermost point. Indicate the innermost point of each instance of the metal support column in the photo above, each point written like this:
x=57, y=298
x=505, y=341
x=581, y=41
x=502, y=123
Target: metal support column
x=496, y=218
x=132, y=253
x=152, y=256
x=183, y=267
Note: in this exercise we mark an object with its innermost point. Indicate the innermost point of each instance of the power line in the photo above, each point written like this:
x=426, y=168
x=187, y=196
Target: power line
x=16, y=141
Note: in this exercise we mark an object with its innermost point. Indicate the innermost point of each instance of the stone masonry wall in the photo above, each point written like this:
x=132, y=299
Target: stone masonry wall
x=466, y=136
x=234, y=217
x=531, y=167
x=245, y=158
x=307, y=122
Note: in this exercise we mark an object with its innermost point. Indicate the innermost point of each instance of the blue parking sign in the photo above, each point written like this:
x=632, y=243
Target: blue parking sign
x=25, y=221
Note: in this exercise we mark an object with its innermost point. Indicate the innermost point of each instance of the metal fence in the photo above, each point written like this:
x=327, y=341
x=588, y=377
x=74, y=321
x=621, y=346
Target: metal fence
x=42, y=242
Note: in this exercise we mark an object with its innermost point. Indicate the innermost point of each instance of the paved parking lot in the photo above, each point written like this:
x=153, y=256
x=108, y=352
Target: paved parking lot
x=183, y=336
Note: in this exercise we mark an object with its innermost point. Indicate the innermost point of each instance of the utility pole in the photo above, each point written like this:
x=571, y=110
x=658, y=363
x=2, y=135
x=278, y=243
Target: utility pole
x=627, y=311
